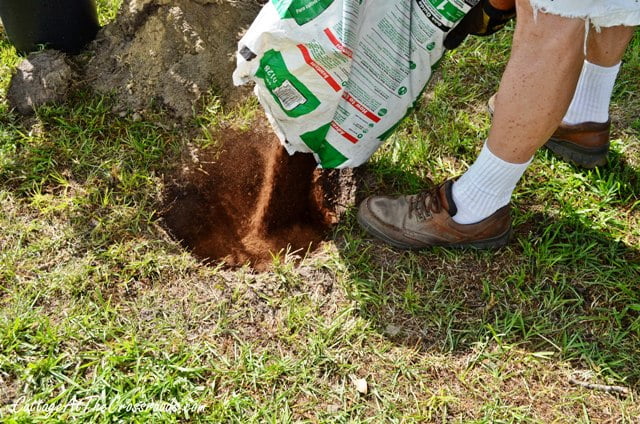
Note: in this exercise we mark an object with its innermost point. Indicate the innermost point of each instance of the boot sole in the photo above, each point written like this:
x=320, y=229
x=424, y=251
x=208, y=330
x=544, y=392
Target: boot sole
x=486, y=244
x=586, y=158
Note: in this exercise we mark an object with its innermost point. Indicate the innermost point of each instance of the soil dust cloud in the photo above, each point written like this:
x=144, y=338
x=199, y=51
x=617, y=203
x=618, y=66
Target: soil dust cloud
x=246, y=199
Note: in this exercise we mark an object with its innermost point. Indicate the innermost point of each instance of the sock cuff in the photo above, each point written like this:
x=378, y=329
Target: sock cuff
x=601, y=70
x=505, y=175
x=485, y=187
x=498, y=160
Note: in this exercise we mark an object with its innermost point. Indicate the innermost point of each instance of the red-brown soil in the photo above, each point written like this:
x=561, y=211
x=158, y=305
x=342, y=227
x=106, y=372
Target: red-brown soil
x=246, y=199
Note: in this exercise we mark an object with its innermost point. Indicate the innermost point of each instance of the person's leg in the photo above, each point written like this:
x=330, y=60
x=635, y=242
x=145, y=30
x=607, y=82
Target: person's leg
x=535, y=91
x=583, y=135
x=538, y=83
x=593, y=94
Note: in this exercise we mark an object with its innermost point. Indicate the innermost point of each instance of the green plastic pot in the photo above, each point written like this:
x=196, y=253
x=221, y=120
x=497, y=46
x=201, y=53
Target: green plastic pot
x=65, y=25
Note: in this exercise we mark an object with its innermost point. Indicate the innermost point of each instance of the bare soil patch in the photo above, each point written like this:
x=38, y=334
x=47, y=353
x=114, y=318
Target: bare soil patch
x=246, y=199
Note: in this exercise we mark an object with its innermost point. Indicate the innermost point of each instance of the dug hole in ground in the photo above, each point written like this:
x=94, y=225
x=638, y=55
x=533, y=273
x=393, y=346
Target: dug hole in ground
x=245, y=199
x=335, y=78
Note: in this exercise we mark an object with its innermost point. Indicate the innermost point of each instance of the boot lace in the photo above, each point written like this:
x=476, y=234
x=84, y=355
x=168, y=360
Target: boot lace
x=426, y=203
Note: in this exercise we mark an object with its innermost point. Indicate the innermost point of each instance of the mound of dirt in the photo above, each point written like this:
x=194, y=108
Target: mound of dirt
x=246, y=199
x=168, y=53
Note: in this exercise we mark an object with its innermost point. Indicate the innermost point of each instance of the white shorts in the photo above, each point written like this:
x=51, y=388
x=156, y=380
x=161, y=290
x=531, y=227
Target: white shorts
x=600, y=13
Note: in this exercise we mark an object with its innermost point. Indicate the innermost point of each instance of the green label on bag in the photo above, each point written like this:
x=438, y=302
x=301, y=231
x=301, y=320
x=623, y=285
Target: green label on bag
x=329, y=156
x=302, y=11
x=293, y=96
x=448, y=10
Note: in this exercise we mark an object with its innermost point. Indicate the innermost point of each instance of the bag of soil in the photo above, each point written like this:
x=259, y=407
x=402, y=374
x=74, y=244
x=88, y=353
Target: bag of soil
x=336, y=77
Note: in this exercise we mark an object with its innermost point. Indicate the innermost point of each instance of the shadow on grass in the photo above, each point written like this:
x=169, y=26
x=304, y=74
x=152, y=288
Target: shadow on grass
x=562, y=285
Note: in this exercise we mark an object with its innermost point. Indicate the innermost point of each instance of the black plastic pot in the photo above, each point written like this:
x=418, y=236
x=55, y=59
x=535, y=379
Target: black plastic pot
x=65, y=25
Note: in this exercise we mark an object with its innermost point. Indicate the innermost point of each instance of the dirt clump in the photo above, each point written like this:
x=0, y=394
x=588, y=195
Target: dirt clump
x=42, y=78
x=246, y=199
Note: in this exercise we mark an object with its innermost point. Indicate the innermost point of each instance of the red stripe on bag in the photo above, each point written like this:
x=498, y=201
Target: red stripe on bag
x=343, y=133
x=353, y=102
x=341, y=47
x=319, y=69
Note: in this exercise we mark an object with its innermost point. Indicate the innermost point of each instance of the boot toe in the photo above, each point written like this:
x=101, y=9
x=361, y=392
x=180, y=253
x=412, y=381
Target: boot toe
x=378, y=215
x=385, y=209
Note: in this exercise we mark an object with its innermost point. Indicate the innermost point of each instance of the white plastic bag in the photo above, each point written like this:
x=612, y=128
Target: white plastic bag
x=336, y=77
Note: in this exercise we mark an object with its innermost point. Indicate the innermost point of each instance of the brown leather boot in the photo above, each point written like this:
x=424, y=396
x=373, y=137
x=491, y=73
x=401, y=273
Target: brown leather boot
x=585, y=144
x=423, y=220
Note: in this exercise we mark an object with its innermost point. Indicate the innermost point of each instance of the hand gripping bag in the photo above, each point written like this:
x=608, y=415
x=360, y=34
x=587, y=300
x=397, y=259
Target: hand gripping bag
x=336, y=77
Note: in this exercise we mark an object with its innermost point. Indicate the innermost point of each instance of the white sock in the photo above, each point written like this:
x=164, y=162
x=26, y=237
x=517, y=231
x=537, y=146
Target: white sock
x=485, y=187
x=593, y=93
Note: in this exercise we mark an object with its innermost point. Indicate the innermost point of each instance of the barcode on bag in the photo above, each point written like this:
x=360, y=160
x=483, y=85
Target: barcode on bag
x=289, y=96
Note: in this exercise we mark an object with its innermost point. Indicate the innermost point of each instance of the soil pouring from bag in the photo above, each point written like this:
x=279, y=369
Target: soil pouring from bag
x=245, y=199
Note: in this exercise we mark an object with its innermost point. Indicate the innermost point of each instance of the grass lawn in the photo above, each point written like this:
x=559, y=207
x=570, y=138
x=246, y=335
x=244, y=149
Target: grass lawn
x=103, y=318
